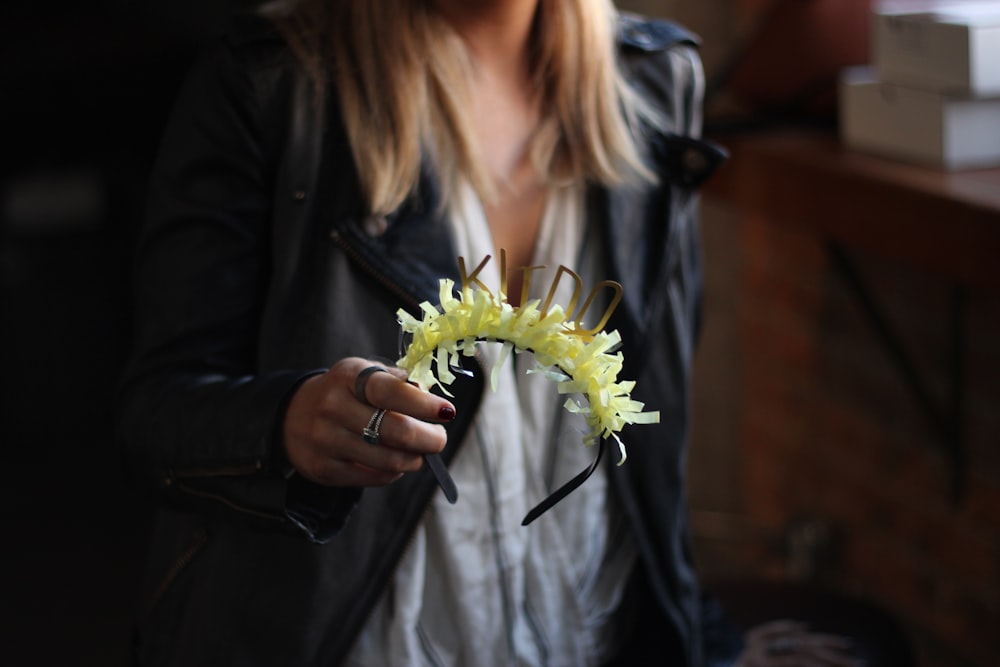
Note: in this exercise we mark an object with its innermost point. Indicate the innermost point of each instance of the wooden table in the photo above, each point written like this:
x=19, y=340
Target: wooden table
x=944, y=222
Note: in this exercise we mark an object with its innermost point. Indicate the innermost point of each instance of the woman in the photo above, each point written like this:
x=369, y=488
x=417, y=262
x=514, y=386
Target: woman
x=326, y=167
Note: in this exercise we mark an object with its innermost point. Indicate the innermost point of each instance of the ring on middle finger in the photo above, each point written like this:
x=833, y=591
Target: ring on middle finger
x=370, y=432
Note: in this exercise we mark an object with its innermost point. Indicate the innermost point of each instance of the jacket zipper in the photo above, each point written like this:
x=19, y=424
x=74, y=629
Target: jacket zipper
x=232, y=471
x=174, y=480
x=383, y=279
x=207, y=495
x=198, y=543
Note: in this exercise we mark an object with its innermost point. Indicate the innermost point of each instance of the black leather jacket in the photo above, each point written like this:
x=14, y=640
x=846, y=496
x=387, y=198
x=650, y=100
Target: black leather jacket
x=257, y=267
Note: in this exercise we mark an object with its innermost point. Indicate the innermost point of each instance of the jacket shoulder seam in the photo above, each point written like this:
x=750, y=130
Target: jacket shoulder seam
x=651, y=34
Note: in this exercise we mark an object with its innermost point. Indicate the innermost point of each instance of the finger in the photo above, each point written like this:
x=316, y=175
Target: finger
x=402, y=440
x=335, y=472
x=806, y=659
x=826, y=646
x=396, y=430
x=829, y=641
x=401, y=444
x=829, y=650
x=397, y=372
x=411, y=435
x=388, y=390
x=331, y=441
x=346, y=447
x=836, y=658
x=379, y=457
x=774, y=629
x=804, y=650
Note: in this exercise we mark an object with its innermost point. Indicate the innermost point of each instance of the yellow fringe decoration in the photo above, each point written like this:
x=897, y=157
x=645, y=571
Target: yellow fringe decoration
x=586, y=364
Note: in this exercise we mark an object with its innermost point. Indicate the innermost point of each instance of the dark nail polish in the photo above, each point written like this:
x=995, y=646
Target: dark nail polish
x=447, y=413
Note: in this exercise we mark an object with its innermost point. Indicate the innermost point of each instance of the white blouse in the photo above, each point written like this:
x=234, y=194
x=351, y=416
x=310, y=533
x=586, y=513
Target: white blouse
x=475, y=587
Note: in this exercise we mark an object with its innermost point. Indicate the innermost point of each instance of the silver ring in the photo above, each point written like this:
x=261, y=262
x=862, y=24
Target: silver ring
x=370, y=434
x=362, y=380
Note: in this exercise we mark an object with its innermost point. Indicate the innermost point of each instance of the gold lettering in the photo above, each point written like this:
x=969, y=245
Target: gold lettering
x=503, y=274
x=526, y=285
x=577, y=328
x=467, y=280
x=577, y=288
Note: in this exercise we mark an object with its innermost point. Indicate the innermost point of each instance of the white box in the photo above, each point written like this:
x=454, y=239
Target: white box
x=918, y=125
x=951, y=47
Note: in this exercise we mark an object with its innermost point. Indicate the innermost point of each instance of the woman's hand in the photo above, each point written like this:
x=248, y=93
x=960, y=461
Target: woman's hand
x=325, y=423
x=790, y=644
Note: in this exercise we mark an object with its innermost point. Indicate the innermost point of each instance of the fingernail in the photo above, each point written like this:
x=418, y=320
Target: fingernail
x=446, y=413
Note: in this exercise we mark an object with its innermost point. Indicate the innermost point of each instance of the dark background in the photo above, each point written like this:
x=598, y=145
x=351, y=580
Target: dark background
x=86, y=88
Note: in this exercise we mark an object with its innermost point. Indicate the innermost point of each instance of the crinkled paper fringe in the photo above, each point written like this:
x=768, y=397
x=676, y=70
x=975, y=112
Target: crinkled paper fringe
x=580, y=364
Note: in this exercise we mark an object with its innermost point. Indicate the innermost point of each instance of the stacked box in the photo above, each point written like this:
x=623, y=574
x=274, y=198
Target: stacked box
x=932, y=92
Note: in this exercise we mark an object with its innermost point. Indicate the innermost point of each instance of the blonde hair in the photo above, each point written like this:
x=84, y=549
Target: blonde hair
x=401, y=76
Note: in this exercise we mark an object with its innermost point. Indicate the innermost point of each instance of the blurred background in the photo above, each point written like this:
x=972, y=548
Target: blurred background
x=846, y=436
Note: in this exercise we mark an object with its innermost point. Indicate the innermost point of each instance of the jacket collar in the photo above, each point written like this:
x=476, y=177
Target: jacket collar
x=646, y=34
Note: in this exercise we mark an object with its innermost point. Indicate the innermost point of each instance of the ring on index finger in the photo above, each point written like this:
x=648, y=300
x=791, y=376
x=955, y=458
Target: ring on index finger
x=362, y=380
